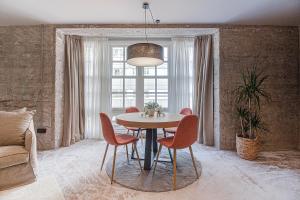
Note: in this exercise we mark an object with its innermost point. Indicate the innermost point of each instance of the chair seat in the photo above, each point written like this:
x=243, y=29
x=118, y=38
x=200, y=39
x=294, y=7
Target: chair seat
x=125, y=139
x=171, y=130
x=167, y=142
x=13, y=155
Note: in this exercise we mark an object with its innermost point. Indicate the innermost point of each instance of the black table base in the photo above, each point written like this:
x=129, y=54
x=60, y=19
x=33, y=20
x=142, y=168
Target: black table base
x=151, y=149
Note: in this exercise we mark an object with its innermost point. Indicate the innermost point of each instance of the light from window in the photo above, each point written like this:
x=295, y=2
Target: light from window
x=123, y=80
x=162, y=100
x=118, y=54
x=149, y=85
x=149, y=71
x=149, y=97
x=130, y=100
x=117, y=100
x=117, y=85
x=162, y=85
x=117, y=69
x=152, y=82
x=162, y=70
x=129, y=85
x=130, y=70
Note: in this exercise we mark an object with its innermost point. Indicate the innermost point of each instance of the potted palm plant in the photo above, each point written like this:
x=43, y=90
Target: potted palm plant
x=249, y=94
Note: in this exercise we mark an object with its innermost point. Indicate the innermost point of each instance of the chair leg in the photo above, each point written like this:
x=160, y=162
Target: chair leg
x=157, y=156
x=113, y=167
x=165, y=133
x=138, y=157
x=170, y=154
x=192, y=155
x=141, y=135
x=174, y=170
x=127, y=153
x=103, y=160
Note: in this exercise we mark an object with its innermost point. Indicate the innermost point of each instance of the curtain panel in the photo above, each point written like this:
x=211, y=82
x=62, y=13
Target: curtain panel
x=181, y=74
x=97, y=83
x=74, y=117
x=203, y=90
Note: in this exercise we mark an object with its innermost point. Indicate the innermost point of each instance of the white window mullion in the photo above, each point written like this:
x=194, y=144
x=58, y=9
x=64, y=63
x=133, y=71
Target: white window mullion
x=140, y=88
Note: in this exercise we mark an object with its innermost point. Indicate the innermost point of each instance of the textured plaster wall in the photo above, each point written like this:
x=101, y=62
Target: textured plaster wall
x=276, y=51
x=216, y=64
x=59, y=88
x=27, y=74
x=299, y=91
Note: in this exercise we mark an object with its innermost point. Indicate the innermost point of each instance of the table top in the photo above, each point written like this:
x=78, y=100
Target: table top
x=138, y=120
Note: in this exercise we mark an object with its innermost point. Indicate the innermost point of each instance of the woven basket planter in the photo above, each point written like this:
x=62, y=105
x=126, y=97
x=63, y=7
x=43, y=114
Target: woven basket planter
x=247, y=148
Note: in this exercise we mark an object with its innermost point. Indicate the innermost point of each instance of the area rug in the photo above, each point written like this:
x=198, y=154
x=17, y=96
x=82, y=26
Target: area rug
x=274, y=176
x=129, y=174
x=45, y=188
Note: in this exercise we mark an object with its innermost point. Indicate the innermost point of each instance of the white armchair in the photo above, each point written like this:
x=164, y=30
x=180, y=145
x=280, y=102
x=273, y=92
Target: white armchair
x=18, y=162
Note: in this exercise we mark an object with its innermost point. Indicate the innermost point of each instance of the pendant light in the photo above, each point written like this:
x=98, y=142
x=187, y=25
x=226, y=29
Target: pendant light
x=145, y=54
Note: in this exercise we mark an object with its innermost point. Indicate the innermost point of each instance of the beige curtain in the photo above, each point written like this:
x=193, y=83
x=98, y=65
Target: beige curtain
x=73, y=91
x=203, y=88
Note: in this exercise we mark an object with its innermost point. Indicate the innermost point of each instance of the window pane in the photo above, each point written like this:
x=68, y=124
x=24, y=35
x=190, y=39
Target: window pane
x=117, y=69
x=165, y=53
x=149, y=85
x=162, y=100
x=149, y=71
x=162, y=70
x=162, y=85
x=117, y=85
x=149, y=98
x=130, y=70
x=130, y=100
x=117, y=53
x=130, y=84
x=117, y=100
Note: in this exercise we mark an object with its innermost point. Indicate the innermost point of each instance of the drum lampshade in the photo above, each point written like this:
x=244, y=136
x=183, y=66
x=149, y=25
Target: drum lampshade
x=145, y=54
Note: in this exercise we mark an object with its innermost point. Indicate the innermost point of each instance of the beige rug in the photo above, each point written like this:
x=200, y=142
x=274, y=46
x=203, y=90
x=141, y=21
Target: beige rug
x=45, y=188
x=274, y=176
x=129, y=174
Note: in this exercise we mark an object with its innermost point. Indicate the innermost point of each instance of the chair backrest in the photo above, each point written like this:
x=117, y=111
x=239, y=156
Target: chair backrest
x=132, y=109
x=186, y=133
x=107, y=129
x=186, y=111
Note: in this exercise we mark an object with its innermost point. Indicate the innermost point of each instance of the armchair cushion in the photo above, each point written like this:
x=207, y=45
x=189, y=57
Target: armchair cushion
x=13, y=155
x=13, y=126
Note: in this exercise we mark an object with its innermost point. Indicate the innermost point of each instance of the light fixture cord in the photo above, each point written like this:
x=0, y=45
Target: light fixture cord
x=152, y=16
x=146, y=21
x=146, y=25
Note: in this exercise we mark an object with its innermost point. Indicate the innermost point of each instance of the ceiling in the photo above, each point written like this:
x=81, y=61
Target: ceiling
x=250, y=12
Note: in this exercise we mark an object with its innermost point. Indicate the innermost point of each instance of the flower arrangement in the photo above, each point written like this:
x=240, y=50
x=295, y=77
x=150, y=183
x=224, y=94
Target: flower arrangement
x=152, y=107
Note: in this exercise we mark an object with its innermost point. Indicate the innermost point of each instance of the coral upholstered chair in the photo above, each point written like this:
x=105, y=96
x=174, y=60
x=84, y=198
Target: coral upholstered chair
x=133, y=129
x=116, y=140
x=172, y=130
x=134, y=109
x=185, y=136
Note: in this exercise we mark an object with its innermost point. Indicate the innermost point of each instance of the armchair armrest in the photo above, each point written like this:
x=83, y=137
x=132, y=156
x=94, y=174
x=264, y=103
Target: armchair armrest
x=30, y=146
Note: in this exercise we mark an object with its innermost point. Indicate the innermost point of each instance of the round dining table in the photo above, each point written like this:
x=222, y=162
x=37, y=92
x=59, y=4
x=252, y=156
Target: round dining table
x=151, y=124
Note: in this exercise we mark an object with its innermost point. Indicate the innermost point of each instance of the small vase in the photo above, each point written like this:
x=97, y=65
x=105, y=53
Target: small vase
x=151, y=113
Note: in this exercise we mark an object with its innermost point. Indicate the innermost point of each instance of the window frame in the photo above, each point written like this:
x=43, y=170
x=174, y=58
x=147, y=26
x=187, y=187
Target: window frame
x=139, y=77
